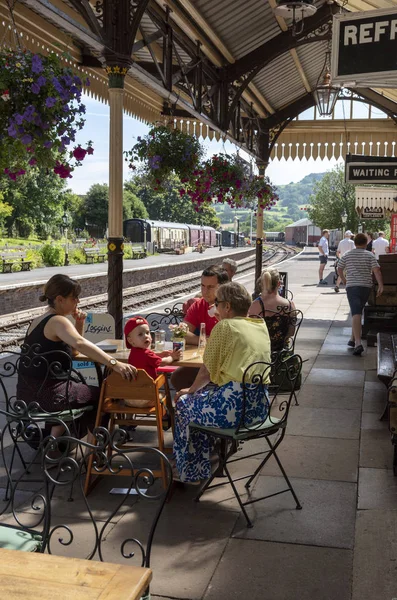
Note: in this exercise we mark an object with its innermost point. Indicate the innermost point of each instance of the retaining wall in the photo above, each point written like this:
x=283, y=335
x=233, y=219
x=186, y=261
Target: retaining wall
x=24, y=296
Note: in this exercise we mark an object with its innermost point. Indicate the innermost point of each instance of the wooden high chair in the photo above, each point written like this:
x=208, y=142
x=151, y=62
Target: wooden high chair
x=115, y=391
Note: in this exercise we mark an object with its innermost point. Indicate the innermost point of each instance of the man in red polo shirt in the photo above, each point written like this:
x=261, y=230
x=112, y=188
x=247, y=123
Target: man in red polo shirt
x=211, y=278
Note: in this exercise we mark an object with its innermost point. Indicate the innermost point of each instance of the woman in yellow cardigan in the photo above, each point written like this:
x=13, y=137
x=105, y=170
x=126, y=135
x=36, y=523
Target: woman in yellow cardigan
x=215, y=398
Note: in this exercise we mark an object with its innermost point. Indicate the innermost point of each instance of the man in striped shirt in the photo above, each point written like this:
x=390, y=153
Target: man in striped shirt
x=359, y=265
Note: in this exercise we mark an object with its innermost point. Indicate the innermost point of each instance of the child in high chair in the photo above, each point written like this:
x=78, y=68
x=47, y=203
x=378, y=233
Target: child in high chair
x=138, y=340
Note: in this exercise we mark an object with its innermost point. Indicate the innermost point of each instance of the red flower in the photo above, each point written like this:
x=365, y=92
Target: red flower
x=79, y=153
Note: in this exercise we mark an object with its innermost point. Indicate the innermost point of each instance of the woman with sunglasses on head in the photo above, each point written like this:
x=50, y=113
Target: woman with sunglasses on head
x=215, y=397
x=54, y=335
x=277, y=312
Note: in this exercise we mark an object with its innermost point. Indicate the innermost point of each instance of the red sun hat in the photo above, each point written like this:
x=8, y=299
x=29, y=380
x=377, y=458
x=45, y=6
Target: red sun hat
x=130, y=326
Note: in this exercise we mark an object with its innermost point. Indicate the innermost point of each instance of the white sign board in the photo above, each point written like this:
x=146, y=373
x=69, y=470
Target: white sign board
x=97, y=327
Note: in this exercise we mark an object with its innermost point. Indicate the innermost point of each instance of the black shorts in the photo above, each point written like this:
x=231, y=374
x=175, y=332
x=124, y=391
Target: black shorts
x=323, y=259
x=357, y=297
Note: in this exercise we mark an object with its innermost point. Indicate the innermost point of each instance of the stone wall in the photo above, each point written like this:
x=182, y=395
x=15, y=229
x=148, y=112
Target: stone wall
x=26, y=296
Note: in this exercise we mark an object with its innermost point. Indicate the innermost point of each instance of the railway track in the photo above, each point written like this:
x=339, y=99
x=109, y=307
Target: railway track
x=13, y=326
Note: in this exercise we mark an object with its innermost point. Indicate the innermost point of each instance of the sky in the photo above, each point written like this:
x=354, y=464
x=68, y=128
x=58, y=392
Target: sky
x=95, y=168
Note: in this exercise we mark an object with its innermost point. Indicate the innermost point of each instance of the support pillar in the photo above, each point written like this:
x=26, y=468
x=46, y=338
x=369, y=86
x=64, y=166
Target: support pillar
x=115, y=235
x=259, y=237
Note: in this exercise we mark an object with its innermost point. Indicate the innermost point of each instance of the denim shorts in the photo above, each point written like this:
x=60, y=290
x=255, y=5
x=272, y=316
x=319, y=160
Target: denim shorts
x=323, y=259
x=357, y=297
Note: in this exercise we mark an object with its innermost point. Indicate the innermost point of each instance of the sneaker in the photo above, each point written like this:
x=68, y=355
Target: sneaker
x=351, y=343
x=336, y=288
x=323, y=282
x=358, y=350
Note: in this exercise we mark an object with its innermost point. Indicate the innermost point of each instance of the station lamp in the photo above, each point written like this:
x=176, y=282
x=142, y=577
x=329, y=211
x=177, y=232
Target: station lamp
x=325, y=94
x=297, y=10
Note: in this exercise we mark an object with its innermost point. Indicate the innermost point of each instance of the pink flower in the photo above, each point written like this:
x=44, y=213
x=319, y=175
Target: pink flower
x=90, y=150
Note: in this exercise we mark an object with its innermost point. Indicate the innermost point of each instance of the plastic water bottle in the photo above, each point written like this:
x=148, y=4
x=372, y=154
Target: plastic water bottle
x=202, y=340
x=159, y=343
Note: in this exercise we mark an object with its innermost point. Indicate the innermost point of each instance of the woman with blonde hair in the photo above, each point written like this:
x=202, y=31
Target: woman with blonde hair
x=274, y=309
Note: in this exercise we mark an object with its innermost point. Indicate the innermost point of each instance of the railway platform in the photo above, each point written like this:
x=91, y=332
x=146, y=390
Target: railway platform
x=158, y=260
x=343, y=544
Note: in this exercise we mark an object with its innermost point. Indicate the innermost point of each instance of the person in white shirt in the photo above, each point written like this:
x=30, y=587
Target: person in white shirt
x=324, y=251
x=344, y=246
x=380, y=245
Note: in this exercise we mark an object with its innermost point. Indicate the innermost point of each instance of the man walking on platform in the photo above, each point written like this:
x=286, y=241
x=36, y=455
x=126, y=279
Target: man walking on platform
x=359, y=264
x=324, y=251
x=344, y=246
x=380, y=245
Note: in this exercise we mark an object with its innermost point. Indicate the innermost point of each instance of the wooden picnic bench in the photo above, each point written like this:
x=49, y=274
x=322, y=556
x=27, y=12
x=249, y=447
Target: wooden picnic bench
x=94, y=253
x=15, y=258
x=139, y=252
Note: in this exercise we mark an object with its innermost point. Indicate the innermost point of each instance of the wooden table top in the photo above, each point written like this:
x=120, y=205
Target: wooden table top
x=45, y=576
x=190, y=355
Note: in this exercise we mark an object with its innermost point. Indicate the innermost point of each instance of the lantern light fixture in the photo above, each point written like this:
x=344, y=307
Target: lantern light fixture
x=325, y=94
x=297, y=10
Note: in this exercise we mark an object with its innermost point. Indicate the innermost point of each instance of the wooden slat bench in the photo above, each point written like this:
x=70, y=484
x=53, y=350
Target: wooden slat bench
x=14, y=258
x=139, y=252
x=94, y=253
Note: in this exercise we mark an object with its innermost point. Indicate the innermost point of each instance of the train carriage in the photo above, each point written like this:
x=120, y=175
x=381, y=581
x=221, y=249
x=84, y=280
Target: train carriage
x=274, y=236
x=167, y=236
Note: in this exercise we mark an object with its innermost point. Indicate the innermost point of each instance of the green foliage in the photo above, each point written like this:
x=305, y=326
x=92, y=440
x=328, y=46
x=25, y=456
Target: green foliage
x=96, y=203
x=35, y=256
x=127, y=251
x=53, y=256
x=77, y=257
x=169, y=205
x=36, y=200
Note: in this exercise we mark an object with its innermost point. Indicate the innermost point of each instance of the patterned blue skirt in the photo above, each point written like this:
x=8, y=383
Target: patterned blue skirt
x=215, y=406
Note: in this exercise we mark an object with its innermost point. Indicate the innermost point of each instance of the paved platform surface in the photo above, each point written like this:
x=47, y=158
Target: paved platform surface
x=43, y=274
x=343, y=544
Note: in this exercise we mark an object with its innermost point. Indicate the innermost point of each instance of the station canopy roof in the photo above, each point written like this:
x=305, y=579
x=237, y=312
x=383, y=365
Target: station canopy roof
x=243, y=42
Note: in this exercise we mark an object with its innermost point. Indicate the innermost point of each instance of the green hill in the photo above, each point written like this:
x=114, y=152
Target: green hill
x=293, y=196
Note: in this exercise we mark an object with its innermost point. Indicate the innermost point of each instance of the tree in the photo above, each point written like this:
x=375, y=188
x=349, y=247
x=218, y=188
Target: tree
x=35, y=200
x=170, y=206
x=5, y=211
x=96, y=204
x=331, y=198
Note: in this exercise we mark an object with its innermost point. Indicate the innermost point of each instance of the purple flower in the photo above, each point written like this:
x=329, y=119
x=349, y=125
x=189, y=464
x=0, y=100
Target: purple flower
x=81, y=108
x=18, y=119
x=65, y=108
x=50, y=102
x=65, y=140
x=47, y=144
x=12, y=132
x=35, y=88
x=68, y=80
x=57, y=85
x=32, y=162
x=26, y=139
x=77, y=80
x=87, y=82
x=37, y=65
x=41, y=80
x=21, y=172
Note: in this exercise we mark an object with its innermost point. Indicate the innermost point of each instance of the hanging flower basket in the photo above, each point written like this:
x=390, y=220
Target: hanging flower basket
x=163, y=152
x=40, y=113
x=225, y=178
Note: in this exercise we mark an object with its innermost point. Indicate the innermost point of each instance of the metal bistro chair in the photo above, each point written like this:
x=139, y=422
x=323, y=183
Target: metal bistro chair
x=16, y=377
x=255, y=383
x=157, y=321
x=46, y=530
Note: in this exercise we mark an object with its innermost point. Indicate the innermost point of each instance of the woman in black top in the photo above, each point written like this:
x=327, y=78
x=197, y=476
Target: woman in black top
x=47, y=380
